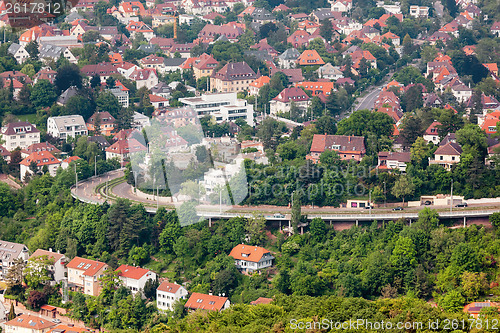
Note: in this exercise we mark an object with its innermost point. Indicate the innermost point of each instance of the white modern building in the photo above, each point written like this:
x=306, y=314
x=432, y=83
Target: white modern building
x=221, y=106
x=167, y=294
x=19, y=134
x=135, y=278
x=64, y=127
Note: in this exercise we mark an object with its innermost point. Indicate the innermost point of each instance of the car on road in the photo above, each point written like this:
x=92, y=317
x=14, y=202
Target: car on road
x=279, y=216
x=427, y=203
x=397, y=208
x=463, y=204
x=368, y=207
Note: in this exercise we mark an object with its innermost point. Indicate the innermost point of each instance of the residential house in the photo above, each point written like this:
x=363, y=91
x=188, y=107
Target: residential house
x=105, y=120
x=169, y=293
x=199, y=301
x=317, y=88
x=393, y=160
x=431, y=133
x=27, y=323
x=356, y=57
x=161, y=89
x=492, y=67
x=204, y=65
x=447, y=155
x=495, y=29
x=310, y=58
x=10, y=252
x=348, y=147
x=123, y=149
x=340, y=6
x=461, y=92
x=288, y=59
x=330, y=72
x=68, y=328
x=223, y=107
x=255, y=86
x=42, y=159
x=57, y=268
x=439, y=35
x=135, y=27
x=493, y=151
x=153, y=61
x=474, y=309
x=19, y=134
x=121, y=92
x=283, y=102
x=158, y=102
x=140, y=121
x=232, y=77
x=84, y=275
x=46, y=73
x=5, y=154
x=18, y=52
x=144, y=77
x=209, y=32
x=387, y=98
x=251, y=258
x=184, y=49
x=135, y=278
x=63, y=127
x=419, y=11
x=42, y=146
x=395, y=40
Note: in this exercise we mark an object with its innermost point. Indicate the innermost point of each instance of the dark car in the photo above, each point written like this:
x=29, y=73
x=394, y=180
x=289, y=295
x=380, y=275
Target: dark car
x=427, y=203
x=463, y=204
x=397, y=208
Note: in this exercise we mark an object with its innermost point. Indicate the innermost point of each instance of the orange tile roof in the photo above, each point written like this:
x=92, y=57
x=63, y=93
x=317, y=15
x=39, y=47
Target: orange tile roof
x=41, y=158
x=61, y=328
x=260, y=82
x=489, y=122
x=188, y=63
x=71, y=159
x=492, y=67
x=89, y=267
x=38, y=253
x=262, y=300
x=157, y=99
x=254, y=253
x=168, y=287
x=205, y=302
x=317, y=87
x=30, y=322
x=126, y=146
x=131, y=272
x=310, y=57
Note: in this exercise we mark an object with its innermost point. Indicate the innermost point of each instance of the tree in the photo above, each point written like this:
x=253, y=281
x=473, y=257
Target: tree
x=412, y=99
x=317, y=229
x=411, y=130
x=80, y=105
x=68, y=76
x=404, y=255
x=296, y=210
x=420, y=152
x=255, y=230
x=326, y=125
x=32, y=48
x=36, y=299
x=403, y=187
x=407, y=45
x=43, y=94
x=95, y=81
x=36, y=272
x=29, y=70
x=326, y=30
x=12, y=312
x=495, y=220
x=108, y=102
x=15, y=275
x=474, y=284
x=453, y=301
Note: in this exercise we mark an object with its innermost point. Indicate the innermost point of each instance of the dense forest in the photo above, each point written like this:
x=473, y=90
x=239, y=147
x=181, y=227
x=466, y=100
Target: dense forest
x=381, y=270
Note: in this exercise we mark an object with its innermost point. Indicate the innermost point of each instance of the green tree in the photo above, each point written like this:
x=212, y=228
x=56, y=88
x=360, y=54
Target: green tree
x=255, y=230
x=420, y=152
x=68, y=76
x=108, y=102
x=403, y=187
x=453, y=301
x=474, y=284
x=317, y=229
x=495, y=220
x=326, y=125
x=43, y=94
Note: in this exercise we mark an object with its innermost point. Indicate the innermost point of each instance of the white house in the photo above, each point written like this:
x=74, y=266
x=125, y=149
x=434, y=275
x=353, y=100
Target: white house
x=145, y=77
x=393, y=160
x=283, y=102
x=447, y=155
x=431, y=134
x=134, y=278
x=251, y=258
x=58, y=268
x=10, y=252
x=167, y=294
x=66, y=126
x=19, y=52
x=19, y=134
x=330, y=72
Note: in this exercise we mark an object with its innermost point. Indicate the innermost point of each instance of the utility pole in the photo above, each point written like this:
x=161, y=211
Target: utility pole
x=220, y=200
x=370, y=201
x=76, y=178
x=95, y=165
x=157, y=197
x=451, y=196
x=385, y=196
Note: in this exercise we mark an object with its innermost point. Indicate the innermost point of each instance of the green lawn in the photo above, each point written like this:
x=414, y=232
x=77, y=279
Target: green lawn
x=31, y=118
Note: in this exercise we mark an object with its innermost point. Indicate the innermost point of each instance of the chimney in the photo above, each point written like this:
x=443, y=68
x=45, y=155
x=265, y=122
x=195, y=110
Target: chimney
x=50, y=249
x=349, y=139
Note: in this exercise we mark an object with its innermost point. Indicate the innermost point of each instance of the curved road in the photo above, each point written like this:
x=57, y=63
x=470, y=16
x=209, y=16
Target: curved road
x=85, y=191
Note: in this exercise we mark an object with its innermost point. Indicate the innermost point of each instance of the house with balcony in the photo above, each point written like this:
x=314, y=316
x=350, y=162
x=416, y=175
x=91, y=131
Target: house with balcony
x=251, y=258
x=63, y=127
x=84, y=275
x=19, y=134
x=388, y=160
x=9, y=252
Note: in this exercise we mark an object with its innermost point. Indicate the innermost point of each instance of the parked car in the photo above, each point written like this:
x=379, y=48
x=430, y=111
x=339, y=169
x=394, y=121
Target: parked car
x=427, y=203
x=397, y=208
x=279, y=216
x=463, y=204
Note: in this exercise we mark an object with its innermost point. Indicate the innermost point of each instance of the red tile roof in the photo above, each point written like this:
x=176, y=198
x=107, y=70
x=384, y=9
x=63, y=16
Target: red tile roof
x=310, y=57
x=322, y=142
x=89, y=267
x=41, y=158
x=168, y=287
x=261, y=300
x=292, y=94
x=205, y=302
x=38, y=253
x=432, y=129
x=122, y=147
x=451, y=148
x=30, y=322
x=131, y=272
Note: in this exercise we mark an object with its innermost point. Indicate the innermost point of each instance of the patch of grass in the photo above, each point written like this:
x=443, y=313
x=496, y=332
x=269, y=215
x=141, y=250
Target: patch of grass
x=31, y=118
